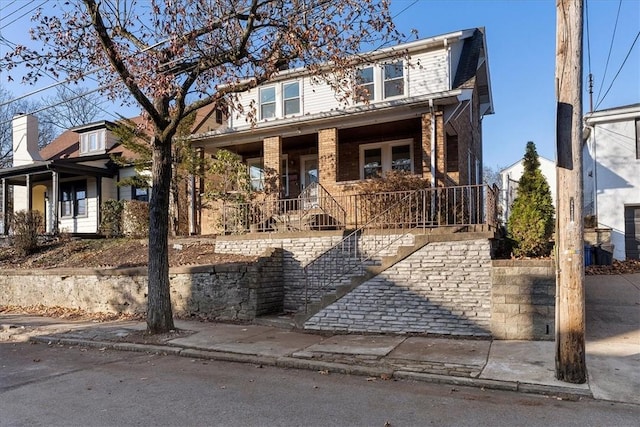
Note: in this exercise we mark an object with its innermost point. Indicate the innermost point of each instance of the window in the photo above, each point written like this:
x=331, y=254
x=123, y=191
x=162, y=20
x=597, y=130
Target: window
x=375, y=159
x=291, y=98
x=393, y=79
x=138, y=193
x=365, y=84
x=267, y=103
x=256, y=173
x=73, y=199
x=380, y=82
x=452, y=154
x=92, y=142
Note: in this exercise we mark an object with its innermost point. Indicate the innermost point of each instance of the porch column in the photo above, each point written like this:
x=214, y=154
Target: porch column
x=54, y=202
x=433, y=148
x=29, y=194
x=328, y=157
x=272, y=164
x=98, y=201
x=5, y=207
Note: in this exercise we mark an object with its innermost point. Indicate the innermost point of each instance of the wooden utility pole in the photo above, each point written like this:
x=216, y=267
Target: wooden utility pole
x=570, y=323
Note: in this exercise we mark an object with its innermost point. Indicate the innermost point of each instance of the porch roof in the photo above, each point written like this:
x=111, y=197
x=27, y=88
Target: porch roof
x=39, y=170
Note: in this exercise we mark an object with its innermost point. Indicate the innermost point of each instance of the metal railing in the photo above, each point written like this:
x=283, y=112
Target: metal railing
x=316, y=209
x=349, y=257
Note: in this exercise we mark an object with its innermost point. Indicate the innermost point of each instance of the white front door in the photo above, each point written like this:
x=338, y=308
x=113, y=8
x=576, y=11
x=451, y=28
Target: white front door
x=309, y=174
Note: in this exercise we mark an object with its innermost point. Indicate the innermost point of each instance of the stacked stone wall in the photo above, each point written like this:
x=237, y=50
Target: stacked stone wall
x=443, y=288
x=523, y=300
x=234, y=291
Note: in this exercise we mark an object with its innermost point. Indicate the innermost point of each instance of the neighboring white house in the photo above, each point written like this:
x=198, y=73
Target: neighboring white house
x=611, y=171
x=511, y=175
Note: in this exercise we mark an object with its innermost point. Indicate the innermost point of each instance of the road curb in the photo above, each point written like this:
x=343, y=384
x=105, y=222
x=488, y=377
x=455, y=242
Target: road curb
x=325, y=367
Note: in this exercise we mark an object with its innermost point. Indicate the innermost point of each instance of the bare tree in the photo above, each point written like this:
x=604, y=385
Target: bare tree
x=69, y=108
x=175, y=57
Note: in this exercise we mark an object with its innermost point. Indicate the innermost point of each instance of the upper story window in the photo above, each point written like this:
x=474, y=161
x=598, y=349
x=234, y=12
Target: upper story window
x=393, y=79
x=92, y=142
x=375, y=159
x=380, y=82
x=366, y=85
x=291, y=98
x=280, y=100
x=267, y=102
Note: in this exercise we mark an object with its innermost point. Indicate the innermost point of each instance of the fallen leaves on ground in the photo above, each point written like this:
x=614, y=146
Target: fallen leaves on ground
x=617, y=267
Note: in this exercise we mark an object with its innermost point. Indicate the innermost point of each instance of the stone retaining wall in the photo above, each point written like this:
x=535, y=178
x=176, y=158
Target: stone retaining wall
x=443, y=288
x=235, y=291
x=300, y=249
x=523, y=300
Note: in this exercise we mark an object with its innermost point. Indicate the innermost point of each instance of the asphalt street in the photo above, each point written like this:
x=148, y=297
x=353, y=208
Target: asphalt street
x=57, y=385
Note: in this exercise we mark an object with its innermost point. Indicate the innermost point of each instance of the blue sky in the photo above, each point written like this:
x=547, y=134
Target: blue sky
x=521, y=45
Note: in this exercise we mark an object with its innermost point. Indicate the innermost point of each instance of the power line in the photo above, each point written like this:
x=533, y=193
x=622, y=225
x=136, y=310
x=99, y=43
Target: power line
x=613, y=36
x=620, y=69
x=23, y=15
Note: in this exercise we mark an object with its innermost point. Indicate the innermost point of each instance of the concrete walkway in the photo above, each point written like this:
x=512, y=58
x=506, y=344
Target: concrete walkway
x=613, y=348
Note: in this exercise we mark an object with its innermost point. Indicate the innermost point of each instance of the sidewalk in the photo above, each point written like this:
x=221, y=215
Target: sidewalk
x=526, y=366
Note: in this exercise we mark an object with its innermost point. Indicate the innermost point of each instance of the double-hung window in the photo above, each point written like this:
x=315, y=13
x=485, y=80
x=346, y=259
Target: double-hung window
x=393, y=77
x=379, y=82
x=92, y=142
x=267, y=102
x=291, y=98
x=375, y=159
x=365, y=88
x=73, y=199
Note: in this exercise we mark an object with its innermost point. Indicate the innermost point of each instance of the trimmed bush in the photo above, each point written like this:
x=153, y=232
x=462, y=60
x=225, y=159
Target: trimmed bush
x=27, y=225
x=136, y=218
x=111, y=222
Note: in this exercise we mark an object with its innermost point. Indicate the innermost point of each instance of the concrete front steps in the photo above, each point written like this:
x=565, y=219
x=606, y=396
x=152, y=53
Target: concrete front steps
x=385, y=262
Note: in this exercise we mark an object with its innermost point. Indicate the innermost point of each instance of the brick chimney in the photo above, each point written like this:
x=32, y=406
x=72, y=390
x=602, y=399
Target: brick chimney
x=25, y=140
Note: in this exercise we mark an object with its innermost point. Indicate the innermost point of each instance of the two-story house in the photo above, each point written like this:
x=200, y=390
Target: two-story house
x=416, y=107
x=611, y=169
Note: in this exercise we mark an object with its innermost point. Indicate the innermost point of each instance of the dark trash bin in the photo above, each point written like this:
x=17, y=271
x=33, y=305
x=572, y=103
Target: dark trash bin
x=604, y=254
x=588, y=252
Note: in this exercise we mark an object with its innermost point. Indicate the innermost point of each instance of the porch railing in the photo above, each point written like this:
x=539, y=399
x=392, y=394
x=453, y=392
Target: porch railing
x=316, y=209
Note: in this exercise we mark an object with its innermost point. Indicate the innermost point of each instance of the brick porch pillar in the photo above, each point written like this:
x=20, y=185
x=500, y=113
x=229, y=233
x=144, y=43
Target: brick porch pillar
x=328, y=157
x=272, y=147
x=438, y=163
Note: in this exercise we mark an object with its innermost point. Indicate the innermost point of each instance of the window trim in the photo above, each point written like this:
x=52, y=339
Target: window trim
x=274, y=102
x=85, y=141
x=386, y=154
x=298, y=98
x=74, y=187
x=379, y=81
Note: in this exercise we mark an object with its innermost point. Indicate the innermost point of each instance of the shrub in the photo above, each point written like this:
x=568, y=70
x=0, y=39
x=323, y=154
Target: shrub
x=530, y=225
x=111, y=222
x=26, y=227
x=136, y=218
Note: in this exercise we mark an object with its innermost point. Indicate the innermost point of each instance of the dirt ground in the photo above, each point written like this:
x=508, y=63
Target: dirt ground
x=114, y=253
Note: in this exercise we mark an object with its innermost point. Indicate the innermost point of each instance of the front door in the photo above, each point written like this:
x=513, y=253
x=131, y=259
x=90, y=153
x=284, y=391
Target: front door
x=309, y=174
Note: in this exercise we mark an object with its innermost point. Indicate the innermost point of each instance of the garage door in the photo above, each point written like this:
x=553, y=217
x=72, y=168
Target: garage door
x=632, y=231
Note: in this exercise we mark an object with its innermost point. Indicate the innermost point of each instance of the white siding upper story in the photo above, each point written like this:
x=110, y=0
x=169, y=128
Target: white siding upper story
x=611, y=168
x=428, y=70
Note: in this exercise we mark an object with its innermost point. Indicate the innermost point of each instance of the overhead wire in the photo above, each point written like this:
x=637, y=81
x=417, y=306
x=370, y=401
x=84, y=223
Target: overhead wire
x=613, y=36
x=619, y=69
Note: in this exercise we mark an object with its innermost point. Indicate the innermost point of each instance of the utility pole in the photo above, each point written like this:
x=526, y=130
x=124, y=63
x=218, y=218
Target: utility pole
x=570, y=323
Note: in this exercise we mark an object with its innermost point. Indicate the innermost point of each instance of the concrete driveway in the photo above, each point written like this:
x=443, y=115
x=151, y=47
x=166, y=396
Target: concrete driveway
x=613, y=336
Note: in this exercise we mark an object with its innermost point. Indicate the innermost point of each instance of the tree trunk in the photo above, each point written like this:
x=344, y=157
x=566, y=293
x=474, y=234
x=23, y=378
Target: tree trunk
x=159, y=314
